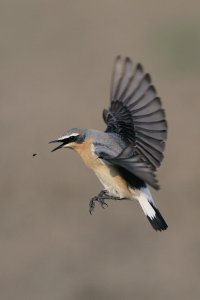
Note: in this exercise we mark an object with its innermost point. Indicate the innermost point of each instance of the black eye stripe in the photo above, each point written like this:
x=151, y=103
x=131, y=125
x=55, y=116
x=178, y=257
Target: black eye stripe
x=72, y=138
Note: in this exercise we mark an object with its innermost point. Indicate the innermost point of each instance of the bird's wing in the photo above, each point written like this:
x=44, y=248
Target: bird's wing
x=129, y=162
x=135, y=112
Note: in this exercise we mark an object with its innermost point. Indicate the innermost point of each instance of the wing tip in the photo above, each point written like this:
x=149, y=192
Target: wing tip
x=128, y=60
x=148, y=77
x=139, y=67
x=118, y=59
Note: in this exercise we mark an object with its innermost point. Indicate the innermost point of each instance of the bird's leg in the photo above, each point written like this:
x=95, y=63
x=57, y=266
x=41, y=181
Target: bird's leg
x=106, y=195
x=101, y=199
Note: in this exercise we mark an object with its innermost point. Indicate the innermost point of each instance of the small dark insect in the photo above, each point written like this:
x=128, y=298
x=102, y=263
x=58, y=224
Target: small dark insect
x=34, y=154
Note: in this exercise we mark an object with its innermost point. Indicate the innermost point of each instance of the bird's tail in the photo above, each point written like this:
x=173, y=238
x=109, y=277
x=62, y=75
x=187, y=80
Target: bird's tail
x=151, y=211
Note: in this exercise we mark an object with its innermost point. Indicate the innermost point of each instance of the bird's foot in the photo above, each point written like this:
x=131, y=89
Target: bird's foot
x=100, y=198
x=102, y=202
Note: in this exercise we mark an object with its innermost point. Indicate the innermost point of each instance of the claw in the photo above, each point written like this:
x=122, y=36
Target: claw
x=102, y=203
x=101, y=199
x=92, y=205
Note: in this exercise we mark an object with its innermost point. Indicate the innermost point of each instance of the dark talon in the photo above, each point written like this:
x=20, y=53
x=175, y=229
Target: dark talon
x=102, y=203
x=92, y=205
x=99, y=199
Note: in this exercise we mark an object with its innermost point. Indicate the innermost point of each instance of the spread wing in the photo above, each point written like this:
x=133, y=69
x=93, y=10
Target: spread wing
x=136, y=113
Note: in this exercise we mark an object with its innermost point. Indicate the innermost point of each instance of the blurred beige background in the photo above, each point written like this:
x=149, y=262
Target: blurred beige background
x=55, y=66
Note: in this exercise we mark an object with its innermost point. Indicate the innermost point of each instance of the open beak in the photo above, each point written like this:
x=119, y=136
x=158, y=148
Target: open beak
x=58, y=147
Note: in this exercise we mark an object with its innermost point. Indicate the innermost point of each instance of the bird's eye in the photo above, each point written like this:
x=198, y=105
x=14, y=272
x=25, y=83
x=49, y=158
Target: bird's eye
x=72, y=138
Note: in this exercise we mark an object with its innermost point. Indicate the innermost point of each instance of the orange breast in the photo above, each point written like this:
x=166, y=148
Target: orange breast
x=108, y=175
x=85, y=151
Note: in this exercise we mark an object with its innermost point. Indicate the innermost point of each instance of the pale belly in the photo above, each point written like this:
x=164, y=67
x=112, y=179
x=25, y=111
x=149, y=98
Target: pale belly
x=113, y=182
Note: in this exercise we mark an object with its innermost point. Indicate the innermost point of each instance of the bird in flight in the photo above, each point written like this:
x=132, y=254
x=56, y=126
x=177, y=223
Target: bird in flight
x=126, y=155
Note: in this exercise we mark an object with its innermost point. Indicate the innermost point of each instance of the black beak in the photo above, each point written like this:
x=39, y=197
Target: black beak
x=58, y=147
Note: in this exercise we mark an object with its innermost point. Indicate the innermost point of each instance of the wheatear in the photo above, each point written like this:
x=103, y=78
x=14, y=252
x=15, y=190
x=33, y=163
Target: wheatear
x=125, y=157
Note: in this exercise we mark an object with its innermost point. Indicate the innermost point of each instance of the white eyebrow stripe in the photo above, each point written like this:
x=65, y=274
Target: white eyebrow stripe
x=67, y=136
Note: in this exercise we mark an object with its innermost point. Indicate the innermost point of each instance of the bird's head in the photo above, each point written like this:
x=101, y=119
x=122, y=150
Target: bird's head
x=70, y=139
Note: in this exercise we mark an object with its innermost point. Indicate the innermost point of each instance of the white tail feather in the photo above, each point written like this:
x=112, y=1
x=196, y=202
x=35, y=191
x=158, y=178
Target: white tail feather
x=150, y=209
x=146, y=206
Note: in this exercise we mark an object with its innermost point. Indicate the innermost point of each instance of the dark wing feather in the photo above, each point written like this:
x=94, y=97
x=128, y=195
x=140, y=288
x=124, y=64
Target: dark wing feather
x=135, y=112
x=127, y=161
x=135, y=166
